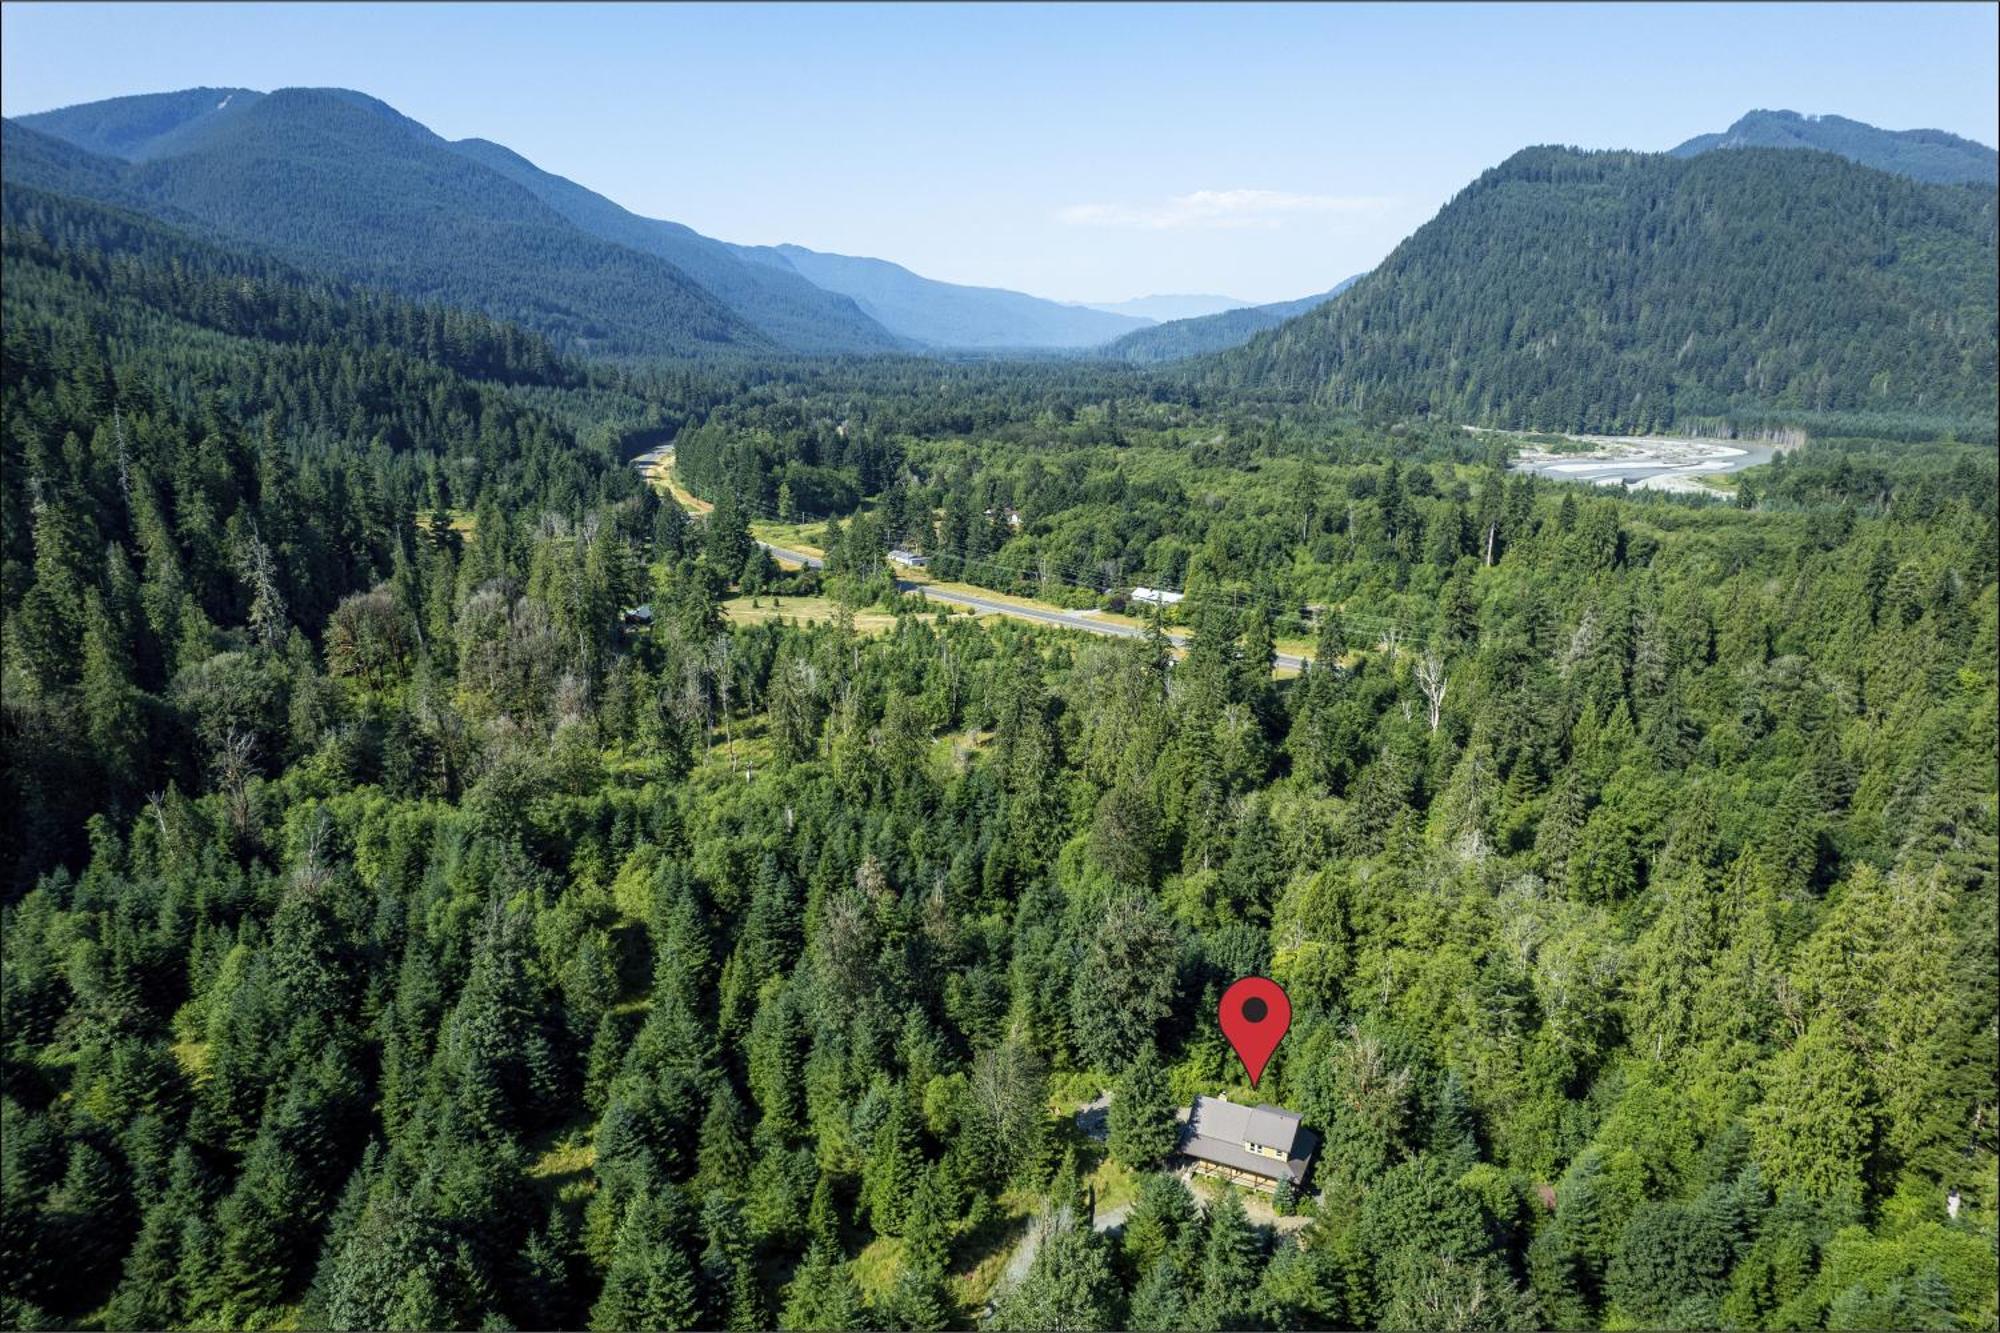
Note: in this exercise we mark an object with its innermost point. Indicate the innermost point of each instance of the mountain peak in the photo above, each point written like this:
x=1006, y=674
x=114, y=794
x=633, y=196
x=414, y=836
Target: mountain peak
x=135, y=128
x=1574, y=291
x=1934, y=156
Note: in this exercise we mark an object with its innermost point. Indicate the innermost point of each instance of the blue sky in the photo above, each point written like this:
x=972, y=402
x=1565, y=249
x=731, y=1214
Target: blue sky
x=1080, y=152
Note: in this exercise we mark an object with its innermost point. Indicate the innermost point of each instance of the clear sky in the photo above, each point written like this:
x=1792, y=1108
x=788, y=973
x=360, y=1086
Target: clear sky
x=1080, y=152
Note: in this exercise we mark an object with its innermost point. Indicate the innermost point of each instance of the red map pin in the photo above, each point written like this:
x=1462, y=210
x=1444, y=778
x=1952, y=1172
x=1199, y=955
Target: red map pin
x=1255, y=1014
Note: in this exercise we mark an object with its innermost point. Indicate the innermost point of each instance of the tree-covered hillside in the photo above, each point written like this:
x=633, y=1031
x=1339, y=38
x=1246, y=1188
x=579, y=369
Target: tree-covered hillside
x=1632, y=292
x=450, y=885
x=1179, y=339
x=144, y=125
x=335, y=181
x=789, y=310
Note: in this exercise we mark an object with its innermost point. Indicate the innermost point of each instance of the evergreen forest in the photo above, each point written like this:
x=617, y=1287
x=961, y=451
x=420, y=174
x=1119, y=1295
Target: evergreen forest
x=453, y=878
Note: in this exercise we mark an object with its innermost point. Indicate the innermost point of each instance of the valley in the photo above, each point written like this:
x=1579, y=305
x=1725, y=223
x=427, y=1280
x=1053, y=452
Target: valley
x=566, y=773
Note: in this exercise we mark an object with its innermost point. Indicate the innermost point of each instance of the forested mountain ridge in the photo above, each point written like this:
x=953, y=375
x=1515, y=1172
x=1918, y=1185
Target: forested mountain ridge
x=471, y=239
x=72, y=254
x=1177, y=340
x=791, y=311
x=141, y=126
x=336, y=181
x=1569, y=290
x=948, y=314
x=37, y=160
x=1927, y=155
x=794, y=313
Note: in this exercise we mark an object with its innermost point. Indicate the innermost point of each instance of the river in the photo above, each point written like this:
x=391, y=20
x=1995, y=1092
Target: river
x=1644, y=462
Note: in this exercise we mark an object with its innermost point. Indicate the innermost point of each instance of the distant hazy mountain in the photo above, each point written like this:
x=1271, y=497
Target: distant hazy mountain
x=794, y=312
x=945, y=314
x=1182, y=338
x=335, y=180
x=1625, y=291
x=1165, y=308
x=1925, y=155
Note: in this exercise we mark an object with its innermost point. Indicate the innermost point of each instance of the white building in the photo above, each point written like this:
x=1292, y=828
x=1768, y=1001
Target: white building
x=1156, y=596
x=908, y=559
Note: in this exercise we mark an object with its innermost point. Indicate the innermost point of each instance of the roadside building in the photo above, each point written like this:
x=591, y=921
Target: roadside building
x=908, y=559
x=1155, y=596
x=1254, y=1146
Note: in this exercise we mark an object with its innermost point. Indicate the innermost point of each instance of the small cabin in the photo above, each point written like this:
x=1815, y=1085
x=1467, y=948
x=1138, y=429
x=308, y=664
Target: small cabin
x=637, y=617
x=908, y=559
x=1254, y=1146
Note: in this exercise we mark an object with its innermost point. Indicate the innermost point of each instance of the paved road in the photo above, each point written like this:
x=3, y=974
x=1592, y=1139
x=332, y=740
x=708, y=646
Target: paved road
x=796, y=557
x=663, y=454
x=1060, y=619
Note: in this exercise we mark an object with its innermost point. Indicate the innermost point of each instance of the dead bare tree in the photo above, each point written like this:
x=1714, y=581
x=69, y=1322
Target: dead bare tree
x=156, y=803
x=722, y=663
x=235, y=765
x=1431, y=680
x=313, y=873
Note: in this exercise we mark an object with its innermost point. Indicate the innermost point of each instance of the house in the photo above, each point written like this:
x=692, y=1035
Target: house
x=637, y=617
x=908, y=559
x=1155, y=596
x=1257, y=1146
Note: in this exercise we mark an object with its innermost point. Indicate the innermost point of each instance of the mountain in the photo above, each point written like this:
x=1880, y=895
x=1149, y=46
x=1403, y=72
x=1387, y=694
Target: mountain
x=1165, y=308
x=335, y=180
x=794, y=313
x=1926, y=155
x=1620, y=291
x=1179, y=339
x=143, y=126
x=945, y=314
x=29, y=157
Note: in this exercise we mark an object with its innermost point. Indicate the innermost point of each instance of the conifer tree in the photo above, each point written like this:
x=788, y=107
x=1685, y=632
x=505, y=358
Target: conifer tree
x=822, y=1294
x=725, y=1147
x=1142, y=1127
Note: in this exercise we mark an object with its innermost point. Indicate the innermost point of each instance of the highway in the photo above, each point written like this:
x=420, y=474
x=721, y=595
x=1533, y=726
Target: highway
x=1060, y=619
x=663, y=455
